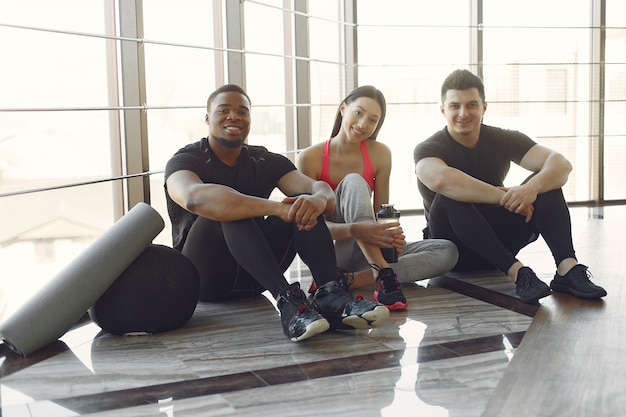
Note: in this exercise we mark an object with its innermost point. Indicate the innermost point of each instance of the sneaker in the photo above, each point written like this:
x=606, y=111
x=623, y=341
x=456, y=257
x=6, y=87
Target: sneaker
x=349, y=275
x=388, y=290
x=344, y=311
x=528, y=287
x=577, y=283
x=300, y=320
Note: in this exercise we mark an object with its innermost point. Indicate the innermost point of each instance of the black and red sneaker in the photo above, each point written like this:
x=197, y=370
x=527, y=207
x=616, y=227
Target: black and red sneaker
x=343, y=310
x=388, y=291
x=300, y=320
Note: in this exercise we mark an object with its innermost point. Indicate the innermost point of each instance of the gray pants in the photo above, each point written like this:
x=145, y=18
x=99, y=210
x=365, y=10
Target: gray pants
x=419, y=260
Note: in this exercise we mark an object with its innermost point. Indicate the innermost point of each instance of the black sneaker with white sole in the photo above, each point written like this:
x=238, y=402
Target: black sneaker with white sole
x=300, y=320
x=344, y=311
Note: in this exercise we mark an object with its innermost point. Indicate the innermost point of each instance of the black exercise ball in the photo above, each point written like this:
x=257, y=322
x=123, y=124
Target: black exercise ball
x=157, y=292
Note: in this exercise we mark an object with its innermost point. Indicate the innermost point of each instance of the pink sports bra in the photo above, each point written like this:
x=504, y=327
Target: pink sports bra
x=368, y=170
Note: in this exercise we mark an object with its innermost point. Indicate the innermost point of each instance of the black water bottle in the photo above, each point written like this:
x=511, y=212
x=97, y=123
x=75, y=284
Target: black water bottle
x=387, y=214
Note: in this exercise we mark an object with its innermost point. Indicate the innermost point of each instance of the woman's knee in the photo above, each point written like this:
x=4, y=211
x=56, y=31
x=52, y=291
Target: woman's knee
x=354, y=202
x=353, y=182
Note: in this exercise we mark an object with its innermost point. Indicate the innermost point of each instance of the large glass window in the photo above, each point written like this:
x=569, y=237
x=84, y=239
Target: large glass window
x=406, y=51
x=327, y=28
x=55, y=132
x=180, y=73
x=266, y=78
x=538, y=79
x=55, y=93
x=615, y=104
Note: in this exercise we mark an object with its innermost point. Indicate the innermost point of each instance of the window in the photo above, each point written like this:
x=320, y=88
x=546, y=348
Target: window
x=615, y=101
x=57, y=137
x=538, y=79
x=406, y=51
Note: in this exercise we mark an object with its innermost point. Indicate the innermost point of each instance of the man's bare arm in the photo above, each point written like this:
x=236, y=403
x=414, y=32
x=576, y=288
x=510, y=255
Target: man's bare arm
x=454, y=183
x=219, y=202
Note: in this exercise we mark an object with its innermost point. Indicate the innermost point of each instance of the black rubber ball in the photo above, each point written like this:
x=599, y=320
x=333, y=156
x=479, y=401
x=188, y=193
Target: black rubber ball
x=158, y=292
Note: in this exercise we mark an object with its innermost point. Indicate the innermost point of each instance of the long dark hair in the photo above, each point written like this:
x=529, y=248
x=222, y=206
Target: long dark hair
x=363, y=91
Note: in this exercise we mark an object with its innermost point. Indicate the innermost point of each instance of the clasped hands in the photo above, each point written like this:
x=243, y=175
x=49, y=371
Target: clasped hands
x=303, y=210
x=519, y=199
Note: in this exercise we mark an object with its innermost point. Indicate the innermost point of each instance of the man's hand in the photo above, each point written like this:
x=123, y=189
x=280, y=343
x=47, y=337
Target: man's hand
x=304, y=210
x=519, y=200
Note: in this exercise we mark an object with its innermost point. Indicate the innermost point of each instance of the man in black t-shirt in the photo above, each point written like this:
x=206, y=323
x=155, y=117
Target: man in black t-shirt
x=240, y=241
x=461, y=172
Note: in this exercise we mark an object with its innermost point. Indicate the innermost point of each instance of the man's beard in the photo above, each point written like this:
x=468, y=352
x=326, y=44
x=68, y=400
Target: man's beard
x=229, y=143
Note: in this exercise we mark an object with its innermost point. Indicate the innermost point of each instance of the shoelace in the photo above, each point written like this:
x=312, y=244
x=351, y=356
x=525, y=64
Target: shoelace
x=582, y=272
x=345, y=277
x=582, y=276
x=298, y=299
x=387, y=282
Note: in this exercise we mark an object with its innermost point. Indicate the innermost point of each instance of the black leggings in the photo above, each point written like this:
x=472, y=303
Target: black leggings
x=246, y=257
x=489, y=236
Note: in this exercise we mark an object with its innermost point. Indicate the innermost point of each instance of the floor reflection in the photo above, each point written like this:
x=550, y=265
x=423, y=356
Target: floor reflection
x=405, y=395
x=440, y=357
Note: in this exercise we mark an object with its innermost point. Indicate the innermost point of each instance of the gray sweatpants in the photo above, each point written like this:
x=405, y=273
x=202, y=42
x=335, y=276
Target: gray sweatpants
x=419, y=260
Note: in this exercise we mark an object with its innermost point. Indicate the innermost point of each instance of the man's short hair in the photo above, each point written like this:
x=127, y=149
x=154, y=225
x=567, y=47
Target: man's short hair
x=462, y=79
x=223, y=89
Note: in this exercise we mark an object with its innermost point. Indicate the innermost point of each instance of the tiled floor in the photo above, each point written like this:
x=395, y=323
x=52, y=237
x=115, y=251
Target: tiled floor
x=443, y=356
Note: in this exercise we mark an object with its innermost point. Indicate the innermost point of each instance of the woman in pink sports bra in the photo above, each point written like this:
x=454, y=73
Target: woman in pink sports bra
x=358, y=168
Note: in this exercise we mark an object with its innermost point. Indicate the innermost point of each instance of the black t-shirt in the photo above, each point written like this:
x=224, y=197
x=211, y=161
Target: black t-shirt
x=489, y=161
x=257, y=174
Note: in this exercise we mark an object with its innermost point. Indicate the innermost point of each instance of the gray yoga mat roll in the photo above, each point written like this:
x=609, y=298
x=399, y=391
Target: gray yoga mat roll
x=56, y=307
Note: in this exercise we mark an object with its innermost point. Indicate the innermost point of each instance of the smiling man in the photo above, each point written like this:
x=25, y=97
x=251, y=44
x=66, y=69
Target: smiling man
x=241, y=242
x=461, y=171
